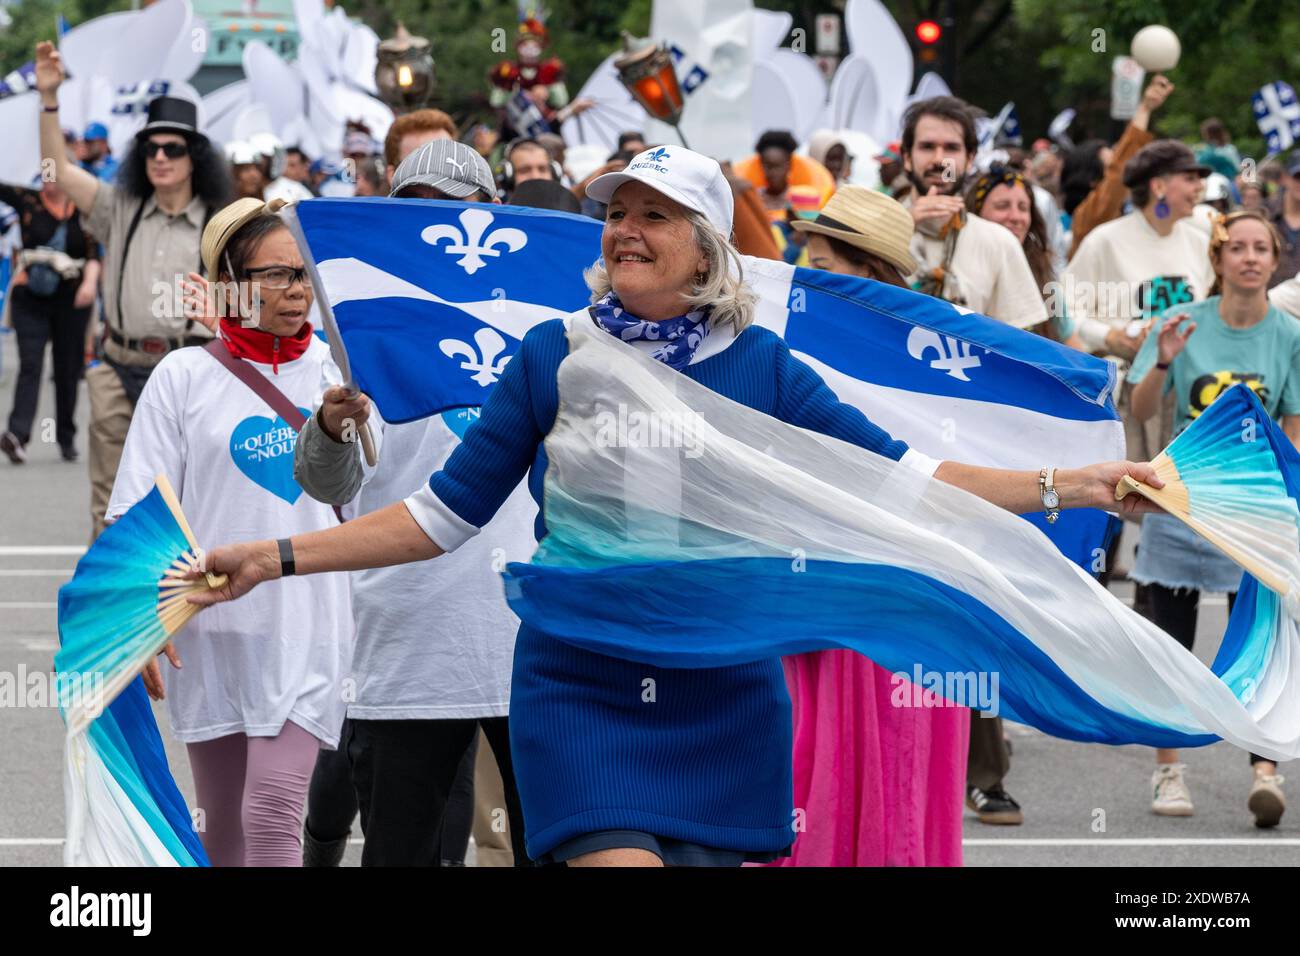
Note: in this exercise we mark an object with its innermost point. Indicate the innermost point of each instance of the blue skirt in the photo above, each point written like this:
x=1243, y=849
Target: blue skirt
x=701, y=756
x=1173, y=555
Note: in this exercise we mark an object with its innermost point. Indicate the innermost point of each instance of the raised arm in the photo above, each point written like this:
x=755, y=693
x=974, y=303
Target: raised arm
x=80, y=185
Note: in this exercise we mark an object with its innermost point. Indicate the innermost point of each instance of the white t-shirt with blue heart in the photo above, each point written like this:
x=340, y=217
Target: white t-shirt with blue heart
x=282, y=652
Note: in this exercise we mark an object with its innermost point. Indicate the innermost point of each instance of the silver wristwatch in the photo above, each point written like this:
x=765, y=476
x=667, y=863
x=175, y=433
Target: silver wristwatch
x=1047, y=491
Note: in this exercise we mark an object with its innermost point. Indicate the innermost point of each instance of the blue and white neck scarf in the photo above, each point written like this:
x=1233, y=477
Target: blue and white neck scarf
x=680, y=336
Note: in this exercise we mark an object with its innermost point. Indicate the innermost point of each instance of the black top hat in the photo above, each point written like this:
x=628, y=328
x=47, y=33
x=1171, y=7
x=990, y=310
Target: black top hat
x=171, y=114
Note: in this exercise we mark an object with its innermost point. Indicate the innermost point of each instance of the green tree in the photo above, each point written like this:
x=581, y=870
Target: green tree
x=35, y=20
x=469, y=37
x=1229, y=50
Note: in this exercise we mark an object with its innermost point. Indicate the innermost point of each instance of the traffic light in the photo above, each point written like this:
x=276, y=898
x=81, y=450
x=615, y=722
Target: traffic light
x=928, y=33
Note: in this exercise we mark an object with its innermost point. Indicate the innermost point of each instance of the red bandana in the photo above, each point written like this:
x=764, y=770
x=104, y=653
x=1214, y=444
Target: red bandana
x=259, y=346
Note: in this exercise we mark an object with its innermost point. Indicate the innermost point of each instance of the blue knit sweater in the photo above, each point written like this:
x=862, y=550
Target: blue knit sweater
x=600, y=743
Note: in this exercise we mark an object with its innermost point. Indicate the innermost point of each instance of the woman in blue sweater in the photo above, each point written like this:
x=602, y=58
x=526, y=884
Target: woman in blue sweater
x=621, y=763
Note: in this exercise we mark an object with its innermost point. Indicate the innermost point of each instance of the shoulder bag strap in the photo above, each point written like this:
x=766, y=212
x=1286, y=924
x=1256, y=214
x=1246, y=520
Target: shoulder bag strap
x=121, y=266
x=263, y=388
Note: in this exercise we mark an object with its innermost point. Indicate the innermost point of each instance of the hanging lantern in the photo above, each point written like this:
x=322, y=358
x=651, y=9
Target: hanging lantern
x=404, y=71
x=647, y=70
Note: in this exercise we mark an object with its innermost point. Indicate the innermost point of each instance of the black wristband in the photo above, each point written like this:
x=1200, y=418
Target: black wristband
x=49, y=109
x=286, y=557
x=1163, y=366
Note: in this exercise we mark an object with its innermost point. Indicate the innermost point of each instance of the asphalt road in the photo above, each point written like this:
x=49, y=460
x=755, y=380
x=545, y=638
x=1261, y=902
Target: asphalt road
x=1068, y=790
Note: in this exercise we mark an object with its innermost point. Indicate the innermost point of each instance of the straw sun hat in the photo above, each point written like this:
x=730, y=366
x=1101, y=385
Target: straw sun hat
x=223, y=226
x=869, y=220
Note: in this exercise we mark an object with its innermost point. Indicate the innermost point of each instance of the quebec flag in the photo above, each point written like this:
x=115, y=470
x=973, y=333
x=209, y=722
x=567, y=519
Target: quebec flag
x=1277, y=113
x=953, y=384
x=430, y=299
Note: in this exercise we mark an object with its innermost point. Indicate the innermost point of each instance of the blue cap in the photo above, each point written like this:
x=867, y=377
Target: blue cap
x=95, y=131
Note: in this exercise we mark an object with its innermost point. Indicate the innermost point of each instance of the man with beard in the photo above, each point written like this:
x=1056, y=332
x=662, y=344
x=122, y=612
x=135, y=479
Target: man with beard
x=979, y=264
x=964, y=259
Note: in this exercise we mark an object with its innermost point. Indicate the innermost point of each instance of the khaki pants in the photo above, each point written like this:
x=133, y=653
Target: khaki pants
x=110, y=417
x=492, y=844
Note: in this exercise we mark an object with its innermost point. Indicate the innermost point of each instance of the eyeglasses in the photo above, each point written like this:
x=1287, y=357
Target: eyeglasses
x=278, y=277
x=170, y=150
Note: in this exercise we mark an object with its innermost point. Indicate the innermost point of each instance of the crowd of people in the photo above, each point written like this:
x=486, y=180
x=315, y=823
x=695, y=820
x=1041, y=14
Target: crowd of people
x=1178, y=264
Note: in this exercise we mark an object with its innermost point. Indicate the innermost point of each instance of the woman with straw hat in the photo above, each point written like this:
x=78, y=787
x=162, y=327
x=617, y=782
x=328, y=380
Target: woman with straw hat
x=881, y=784
x=260, y=692
x=863, y=233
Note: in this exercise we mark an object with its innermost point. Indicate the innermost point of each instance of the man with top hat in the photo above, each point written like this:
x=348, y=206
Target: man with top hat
x=150, y=223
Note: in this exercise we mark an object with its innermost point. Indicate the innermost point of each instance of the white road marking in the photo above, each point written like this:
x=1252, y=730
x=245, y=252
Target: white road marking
x=22, y=551
x=59, y=841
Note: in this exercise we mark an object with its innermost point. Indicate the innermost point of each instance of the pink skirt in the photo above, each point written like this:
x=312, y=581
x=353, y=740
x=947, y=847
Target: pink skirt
x=875, y=783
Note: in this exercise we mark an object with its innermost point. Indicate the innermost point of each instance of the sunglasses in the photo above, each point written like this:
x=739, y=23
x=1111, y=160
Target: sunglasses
x=170, y=150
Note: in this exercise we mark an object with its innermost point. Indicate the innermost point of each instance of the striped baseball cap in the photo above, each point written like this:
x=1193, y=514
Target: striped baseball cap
x=447, y=166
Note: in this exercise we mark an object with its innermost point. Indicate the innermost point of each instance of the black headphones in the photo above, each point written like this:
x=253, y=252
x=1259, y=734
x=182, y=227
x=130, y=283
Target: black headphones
x=506, y=171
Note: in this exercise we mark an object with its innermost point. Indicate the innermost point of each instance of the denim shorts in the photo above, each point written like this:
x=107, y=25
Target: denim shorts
x=672, y=852
x=1172, y=554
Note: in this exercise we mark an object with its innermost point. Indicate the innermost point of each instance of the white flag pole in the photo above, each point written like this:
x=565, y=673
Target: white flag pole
x=337, y=349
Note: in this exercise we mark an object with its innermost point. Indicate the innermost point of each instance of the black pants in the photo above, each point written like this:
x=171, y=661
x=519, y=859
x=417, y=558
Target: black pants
x=405, y=773
x=987, y=760
x=332, y=801
x=1175, y=610
x=38, y=322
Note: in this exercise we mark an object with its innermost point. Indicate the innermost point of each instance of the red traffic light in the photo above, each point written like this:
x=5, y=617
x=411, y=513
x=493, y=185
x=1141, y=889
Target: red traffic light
x=927, y=31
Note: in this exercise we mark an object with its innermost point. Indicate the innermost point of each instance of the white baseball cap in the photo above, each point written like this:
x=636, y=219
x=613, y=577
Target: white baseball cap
x=684, y=176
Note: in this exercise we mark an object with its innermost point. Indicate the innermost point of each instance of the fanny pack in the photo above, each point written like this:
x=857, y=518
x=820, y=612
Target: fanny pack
x=42, y=279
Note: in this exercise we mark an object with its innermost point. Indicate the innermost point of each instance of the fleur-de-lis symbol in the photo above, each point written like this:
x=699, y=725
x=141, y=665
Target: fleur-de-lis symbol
x=483, y=362
x=954, y=355
x=659, y=155
x=468, y=245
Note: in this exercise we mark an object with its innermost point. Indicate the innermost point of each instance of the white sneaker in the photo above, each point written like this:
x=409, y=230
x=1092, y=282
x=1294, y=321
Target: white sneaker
x=1266, y=801
x=1170, y=797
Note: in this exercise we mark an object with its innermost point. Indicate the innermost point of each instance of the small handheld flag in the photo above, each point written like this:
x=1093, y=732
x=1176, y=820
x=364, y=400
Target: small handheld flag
x=1278, y=115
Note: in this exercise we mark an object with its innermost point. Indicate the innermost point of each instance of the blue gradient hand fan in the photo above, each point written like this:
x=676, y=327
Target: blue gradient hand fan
x=1224, y=477
x=126, y=598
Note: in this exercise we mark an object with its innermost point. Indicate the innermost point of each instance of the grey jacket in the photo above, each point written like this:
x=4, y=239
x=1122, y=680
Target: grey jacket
x=327, y=470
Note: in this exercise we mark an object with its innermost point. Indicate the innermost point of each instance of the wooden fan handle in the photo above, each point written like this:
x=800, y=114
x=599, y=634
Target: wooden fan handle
x=174, y=505
x=1127, y=485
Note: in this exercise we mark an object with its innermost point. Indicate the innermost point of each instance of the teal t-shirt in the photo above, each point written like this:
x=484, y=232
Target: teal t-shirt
x=1266, y=357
